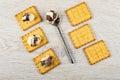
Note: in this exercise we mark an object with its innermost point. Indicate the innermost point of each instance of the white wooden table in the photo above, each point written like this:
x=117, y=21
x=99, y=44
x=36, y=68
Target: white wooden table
x=16, y=63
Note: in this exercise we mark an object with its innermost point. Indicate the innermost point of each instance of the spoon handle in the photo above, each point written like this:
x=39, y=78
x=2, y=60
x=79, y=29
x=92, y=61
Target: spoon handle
x=66, y=46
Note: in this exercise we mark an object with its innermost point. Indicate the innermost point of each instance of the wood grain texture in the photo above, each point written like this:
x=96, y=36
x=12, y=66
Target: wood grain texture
x=17, y=64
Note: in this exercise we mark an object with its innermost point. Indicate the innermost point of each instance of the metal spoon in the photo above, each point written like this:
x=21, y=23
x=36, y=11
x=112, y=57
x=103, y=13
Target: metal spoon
x=53, y=18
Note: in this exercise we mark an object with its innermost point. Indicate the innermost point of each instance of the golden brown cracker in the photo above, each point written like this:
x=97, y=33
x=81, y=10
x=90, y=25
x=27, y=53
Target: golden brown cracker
x=78, y=14
x=55, y=63
x=81, y=36
x=96, y=52
x=32, y=10
x=37, y=31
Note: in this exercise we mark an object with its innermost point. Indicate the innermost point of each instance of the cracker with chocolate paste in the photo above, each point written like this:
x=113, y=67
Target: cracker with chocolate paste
x=34, y=39
x=28, y=18
x=46, y=61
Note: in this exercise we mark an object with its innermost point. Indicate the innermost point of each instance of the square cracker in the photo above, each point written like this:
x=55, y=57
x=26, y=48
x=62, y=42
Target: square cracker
x=96, y=52
x=37, y=31
x=81, y=36
x=42, y=69
x=32, y=10
x=78, y=14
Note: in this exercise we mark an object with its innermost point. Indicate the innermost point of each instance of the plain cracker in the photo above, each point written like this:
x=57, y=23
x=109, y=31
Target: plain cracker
x=81, y=36
x=78, y=14
x=96, y=52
